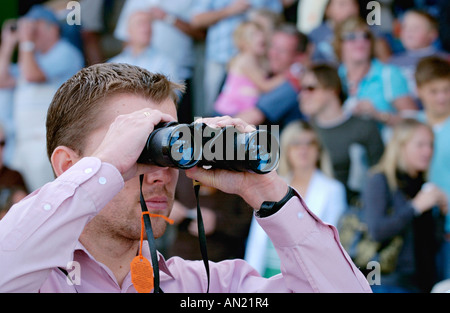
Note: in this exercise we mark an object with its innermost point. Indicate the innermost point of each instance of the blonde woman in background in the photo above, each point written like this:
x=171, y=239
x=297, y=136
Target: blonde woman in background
x=398, y=201
x=306, y=167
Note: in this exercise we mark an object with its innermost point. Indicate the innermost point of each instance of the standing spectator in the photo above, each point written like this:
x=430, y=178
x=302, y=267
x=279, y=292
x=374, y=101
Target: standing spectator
x=247, y=75
x=139, y=51
x=433, y=82
x=419, y=32
x=303, y=164
x=288, y=55
x=172, y=35
x=376, y=90
x=353, y=143
x=220, y=18
x=45, y=61
x=397, y=202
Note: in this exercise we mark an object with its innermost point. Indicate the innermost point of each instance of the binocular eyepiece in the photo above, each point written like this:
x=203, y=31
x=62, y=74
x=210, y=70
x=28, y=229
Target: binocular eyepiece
x=184, y=146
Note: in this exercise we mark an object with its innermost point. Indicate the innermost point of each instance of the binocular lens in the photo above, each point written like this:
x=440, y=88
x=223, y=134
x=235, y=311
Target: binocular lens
x=182, y=150
x=185, y=146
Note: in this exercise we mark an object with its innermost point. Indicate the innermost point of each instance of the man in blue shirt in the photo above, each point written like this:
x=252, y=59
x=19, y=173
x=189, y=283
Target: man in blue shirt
x=288, y=55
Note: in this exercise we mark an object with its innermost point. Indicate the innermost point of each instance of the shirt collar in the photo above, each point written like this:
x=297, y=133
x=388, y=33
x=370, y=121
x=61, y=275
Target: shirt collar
x=145, y=252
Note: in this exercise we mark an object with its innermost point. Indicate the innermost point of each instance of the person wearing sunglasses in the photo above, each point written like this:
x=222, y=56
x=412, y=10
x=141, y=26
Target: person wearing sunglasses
x=375, y=90
x=347, y=138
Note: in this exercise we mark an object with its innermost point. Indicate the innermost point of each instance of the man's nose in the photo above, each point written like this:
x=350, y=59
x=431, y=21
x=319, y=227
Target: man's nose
x=158, y=175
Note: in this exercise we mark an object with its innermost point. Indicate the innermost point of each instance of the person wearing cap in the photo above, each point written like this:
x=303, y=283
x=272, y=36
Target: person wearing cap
x=45, y=61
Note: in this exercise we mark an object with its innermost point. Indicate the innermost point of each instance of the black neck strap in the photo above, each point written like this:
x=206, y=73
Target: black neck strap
x=151, y=238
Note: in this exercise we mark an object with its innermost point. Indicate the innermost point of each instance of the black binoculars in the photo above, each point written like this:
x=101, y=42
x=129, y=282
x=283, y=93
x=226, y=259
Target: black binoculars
x=184, y=146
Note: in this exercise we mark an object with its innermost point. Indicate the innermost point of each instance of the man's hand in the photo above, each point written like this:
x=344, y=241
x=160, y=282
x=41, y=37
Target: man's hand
x=9, y=36
x=126, y=138
x=253, y=188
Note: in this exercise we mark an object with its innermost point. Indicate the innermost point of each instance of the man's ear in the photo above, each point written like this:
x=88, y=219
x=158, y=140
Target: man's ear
x=62, y=159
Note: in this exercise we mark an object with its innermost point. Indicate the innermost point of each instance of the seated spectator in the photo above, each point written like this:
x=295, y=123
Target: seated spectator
x=353, y=143
x=288, y=55
x=303, y=164
x=397, y=202
x=45, y=61
x=419, y=32
x=322, y=37
x=138, y=50
x=433, y=82
x=247, y=75
x=376, y=90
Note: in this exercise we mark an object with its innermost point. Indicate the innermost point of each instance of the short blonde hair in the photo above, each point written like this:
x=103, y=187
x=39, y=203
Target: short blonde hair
x=73, y=112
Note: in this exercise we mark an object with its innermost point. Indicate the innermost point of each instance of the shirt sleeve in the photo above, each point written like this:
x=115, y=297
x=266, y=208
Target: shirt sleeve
x=39, y=233
x=312, y=259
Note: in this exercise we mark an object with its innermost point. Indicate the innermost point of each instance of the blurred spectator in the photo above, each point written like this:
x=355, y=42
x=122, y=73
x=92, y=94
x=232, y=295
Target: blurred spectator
x=375, y=90
x=433, y=82
x=419, y=32
x=173, y=36
x=220, y=18
x=303, y=163
x=397, y=202
x=140, y=52
x=288, y=55
x=322, y=36
x=247, y=74
x=353, y=143
x=45, y=61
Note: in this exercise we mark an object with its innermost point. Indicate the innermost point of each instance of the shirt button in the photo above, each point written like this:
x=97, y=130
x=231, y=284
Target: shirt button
x=47, y=207
x=299, y=215
x=102, y=180
x=88, y=170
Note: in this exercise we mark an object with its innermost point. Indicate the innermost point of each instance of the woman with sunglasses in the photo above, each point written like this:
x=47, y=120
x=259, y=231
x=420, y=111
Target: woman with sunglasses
x=375, y=90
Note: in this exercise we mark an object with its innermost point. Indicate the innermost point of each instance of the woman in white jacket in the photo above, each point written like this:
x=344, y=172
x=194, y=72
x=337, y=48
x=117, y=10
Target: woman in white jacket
x=307, y=168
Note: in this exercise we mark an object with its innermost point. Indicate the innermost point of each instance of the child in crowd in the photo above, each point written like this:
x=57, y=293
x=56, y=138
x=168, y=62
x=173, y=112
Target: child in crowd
x=247, y=74
x=419, y=32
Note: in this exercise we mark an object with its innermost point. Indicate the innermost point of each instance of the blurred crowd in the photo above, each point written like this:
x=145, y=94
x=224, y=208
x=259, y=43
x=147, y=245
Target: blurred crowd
x=360, y=92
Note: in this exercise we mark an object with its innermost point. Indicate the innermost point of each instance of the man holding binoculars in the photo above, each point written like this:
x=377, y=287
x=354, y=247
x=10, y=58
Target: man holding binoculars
x=98, y=125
